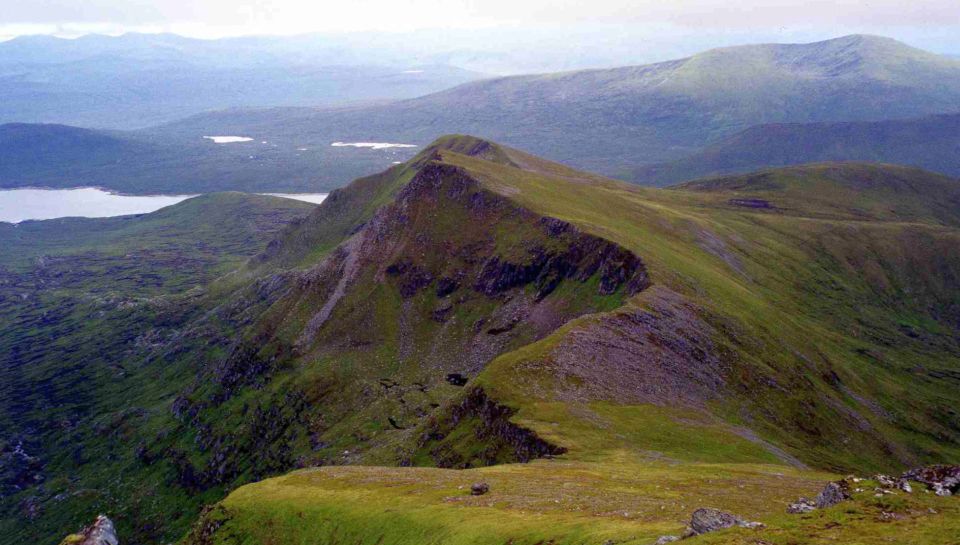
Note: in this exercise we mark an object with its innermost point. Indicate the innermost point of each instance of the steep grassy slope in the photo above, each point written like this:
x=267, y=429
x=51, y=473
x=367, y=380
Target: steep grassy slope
x=778, y=330
x=931, y=143
x=661, y=349
x=610, y=121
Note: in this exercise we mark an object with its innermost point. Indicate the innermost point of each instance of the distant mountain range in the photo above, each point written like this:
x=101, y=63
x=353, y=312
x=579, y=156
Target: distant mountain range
x=614, y=121
x=137, y=80
x=932, y=143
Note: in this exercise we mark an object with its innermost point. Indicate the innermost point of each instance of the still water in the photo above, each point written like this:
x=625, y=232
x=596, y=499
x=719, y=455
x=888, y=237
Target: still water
x=17, y=205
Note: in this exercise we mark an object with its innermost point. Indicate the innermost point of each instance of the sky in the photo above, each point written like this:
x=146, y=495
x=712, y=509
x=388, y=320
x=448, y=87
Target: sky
x=935, y=23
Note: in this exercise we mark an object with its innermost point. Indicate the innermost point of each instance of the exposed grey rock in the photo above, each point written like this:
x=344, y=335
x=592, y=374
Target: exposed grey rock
x=803, y=505
x=709, y=520
x=944, y=480
x=101, y=532
x=833, y=494
x=479, y=489
x=663, y=540
x=885, y=481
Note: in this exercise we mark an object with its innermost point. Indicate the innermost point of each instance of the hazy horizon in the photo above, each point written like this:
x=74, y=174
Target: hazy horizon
x=675, y=28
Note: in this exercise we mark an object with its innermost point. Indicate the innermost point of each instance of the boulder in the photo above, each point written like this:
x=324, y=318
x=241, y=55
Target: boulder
x=803, y=505
x=942, y=479
x=833, y=494
x=663, y=540
x=885, y=481
x=479, y=489
x=101, y=532
x=706, y=520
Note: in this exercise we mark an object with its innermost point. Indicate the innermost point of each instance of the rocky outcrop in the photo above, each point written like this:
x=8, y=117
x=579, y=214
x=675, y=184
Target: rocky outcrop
x=662, y=354
x=706, y=520
x=944, y=480
x=833, y=494
x=801, y=506
x=101, y=532
x=497, y=439
x=18, y=469
x=584, y=257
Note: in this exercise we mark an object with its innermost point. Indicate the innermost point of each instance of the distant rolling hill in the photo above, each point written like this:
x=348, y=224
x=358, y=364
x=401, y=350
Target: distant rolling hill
x=137, y=80
x=613, y=120
x=932, y=143
x=609, y=121
x=61, y=156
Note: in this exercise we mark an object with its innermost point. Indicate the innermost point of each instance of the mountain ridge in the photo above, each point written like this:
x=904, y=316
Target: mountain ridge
x=479, y=306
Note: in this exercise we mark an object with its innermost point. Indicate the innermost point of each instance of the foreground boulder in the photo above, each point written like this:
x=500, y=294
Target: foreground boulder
x=706, y=520
x=101, y=532
x=803, y=505
x=833, y=494
x=944, y=480
x=479, y=489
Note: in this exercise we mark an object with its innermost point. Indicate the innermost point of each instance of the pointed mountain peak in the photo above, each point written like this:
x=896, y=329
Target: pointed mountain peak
x=466, y=145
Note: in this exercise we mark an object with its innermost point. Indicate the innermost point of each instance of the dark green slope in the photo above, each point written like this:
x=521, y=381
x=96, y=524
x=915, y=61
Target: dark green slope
x=931, y=143
x=80, y=300
x=479, y=305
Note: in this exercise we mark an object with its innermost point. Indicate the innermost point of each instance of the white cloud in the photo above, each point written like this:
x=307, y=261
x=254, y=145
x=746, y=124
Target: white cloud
x=217, y=17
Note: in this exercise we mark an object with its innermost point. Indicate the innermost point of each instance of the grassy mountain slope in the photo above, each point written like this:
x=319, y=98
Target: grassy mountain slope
x=775, y=332
x=477, y=306
x=928, y=142
x=612, y=120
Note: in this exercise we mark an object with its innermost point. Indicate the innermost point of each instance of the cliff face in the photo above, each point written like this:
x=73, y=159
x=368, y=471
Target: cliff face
x=348, y=359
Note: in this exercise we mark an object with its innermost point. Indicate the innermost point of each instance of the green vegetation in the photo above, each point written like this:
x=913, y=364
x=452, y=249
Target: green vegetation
x=724, y=387
x=731, y=343
x=81, y=300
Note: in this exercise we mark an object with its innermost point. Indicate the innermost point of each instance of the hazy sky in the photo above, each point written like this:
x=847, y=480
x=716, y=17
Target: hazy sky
x=214, y=18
